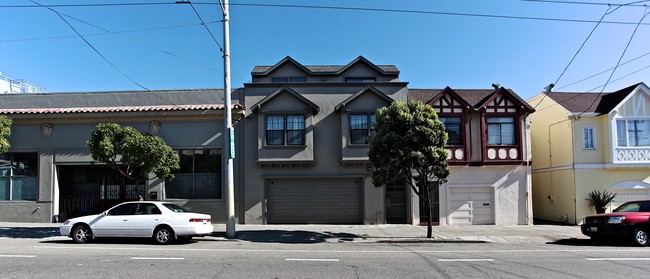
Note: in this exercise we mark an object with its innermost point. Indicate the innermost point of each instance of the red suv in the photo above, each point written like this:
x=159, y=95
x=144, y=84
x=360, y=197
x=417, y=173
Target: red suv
x=631, y=219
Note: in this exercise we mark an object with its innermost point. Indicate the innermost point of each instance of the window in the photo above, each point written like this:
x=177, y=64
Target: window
x=18, y=175
x=453, y=129
x=123, y=209
x=361, y=127
x=288, y=79
x=633, y=132
x=362, y=79
x=289, y=129
x=588, y=138
x=199, y=176
x=501, y=130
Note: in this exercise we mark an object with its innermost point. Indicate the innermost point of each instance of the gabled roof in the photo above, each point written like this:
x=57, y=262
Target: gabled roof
x=314, y=108
x=476, y=98
x=324, y=69
x=449, y=91
x=513, y=97
x=113, y=101
x=361, y=92
x=586, y=102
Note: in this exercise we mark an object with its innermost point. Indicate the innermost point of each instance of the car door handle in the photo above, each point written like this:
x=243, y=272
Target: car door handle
x=125, y=220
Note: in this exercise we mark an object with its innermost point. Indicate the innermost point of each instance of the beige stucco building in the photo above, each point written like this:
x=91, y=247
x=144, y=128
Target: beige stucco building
x=589, y=141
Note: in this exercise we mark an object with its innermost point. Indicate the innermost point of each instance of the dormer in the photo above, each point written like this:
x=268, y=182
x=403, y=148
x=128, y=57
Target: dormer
x=357, y=114
x=454, y=112
x=285, y=129
x=359, y=70
x=628, y=111
x=502, y=118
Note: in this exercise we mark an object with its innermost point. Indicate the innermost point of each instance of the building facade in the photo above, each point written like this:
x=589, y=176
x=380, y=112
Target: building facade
x=489, y=155
x=301, y=135
x=49, y=174
x=589, y=141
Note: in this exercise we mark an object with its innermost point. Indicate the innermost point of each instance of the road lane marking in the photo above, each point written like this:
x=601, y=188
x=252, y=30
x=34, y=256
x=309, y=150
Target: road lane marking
x=465, y=260
x=618, y=259
x=17, y=256
x=510, y=251
x=313, y=260
x=152, y=258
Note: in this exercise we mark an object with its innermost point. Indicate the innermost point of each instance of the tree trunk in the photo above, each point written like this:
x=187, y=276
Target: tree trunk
x=427, y=202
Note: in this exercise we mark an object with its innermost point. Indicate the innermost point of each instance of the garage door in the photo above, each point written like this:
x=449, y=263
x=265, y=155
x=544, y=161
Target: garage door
x=471, y=206
x=313, y=201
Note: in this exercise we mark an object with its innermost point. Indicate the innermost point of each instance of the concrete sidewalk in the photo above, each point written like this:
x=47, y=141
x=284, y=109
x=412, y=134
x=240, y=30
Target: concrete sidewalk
x=351, y=233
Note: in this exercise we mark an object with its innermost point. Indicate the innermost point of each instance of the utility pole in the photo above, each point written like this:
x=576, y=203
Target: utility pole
x=229, y=135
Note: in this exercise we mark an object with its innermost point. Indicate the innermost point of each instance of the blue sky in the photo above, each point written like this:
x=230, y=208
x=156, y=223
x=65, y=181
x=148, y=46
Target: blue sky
x=462, y=43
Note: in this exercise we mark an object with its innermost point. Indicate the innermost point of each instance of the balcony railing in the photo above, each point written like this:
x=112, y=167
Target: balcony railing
x=632, y=155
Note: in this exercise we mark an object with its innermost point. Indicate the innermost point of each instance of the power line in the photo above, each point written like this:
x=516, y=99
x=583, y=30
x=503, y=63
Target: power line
x=625, y=50
x=632, y=4
x=91, y=46
x=619, y=61
x=202, y=23
x=605, y=71
x=342, y=8
x=550, y=86
x=105, y=33
x=147, y=45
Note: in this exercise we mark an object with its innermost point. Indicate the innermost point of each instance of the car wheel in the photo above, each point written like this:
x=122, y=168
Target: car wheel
x=641, y=236
x=81, y=234
x=163, y=235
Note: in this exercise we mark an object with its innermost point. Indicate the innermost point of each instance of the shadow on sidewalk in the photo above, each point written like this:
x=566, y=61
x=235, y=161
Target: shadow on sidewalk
x=285, y=236
x=31, y=232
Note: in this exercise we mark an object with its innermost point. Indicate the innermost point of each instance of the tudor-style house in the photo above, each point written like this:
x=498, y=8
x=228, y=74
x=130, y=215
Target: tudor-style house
x=489, y=157
x=589, y=141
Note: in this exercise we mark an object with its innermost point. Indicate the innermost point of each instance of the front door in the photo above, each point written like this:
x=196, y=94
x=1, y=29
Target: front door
x=396, y=205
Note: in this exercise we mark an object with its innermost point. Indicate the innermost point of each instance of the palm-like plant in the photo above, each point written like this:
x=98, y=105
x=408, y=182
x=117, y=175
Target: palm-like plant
x=599, y=200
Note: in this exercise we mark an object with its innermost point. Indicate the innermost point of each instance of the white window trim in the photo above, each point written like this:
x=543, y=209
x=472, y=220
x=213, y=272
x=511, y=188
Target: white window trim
x=593, y=138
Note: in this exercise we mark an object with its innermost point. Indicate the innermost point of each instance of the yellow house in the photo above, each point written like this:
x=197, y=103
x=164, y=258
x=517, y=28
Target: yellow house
x=589, y=141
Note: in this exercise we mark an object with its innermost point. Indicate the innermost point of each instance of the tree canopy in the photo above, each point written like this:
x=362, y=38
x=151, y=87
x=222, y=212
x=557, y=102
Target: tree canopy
x=409, y=149
x=132, y=153
x=5, y=132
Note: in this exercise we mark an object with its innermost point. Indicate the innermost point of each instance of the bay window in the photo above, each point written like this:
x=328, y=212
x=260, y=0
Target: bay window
x=632, y=133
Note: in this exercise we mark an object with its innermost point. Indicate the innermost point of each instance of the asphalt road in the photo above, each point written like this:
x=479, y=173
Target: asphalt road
x=59, y=257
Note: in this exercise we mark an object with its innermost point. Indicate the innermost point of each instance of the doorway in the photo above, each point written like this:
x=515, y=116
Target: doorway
x=86, y=190
x=396, y=202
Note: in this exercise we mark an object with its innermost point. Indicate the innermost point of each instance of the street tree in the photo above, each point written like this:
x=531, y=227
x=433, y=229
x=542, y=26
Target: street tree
x=5, y=132
x=408, y=148
x=133, y=154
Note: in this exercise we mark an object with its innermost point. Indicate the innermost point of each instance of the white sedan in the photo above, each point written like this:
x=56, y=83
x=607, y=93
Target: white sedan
x=162, y=221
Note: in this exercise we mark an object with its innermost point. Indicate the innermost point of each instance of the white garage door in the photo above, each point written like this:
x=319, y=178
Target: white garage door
x=313, y=201
x=471, y=206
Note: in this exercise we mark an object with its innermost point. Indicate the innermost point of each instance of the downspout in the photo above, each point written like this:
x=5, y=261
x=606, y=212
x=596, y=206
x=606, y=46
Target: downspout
x=529, y=180
x=573, y=165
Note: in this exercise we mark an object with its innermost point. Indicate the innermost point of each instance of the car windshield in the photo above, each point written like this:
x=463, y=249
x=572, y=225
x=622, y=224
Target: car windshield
x=175, y=207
